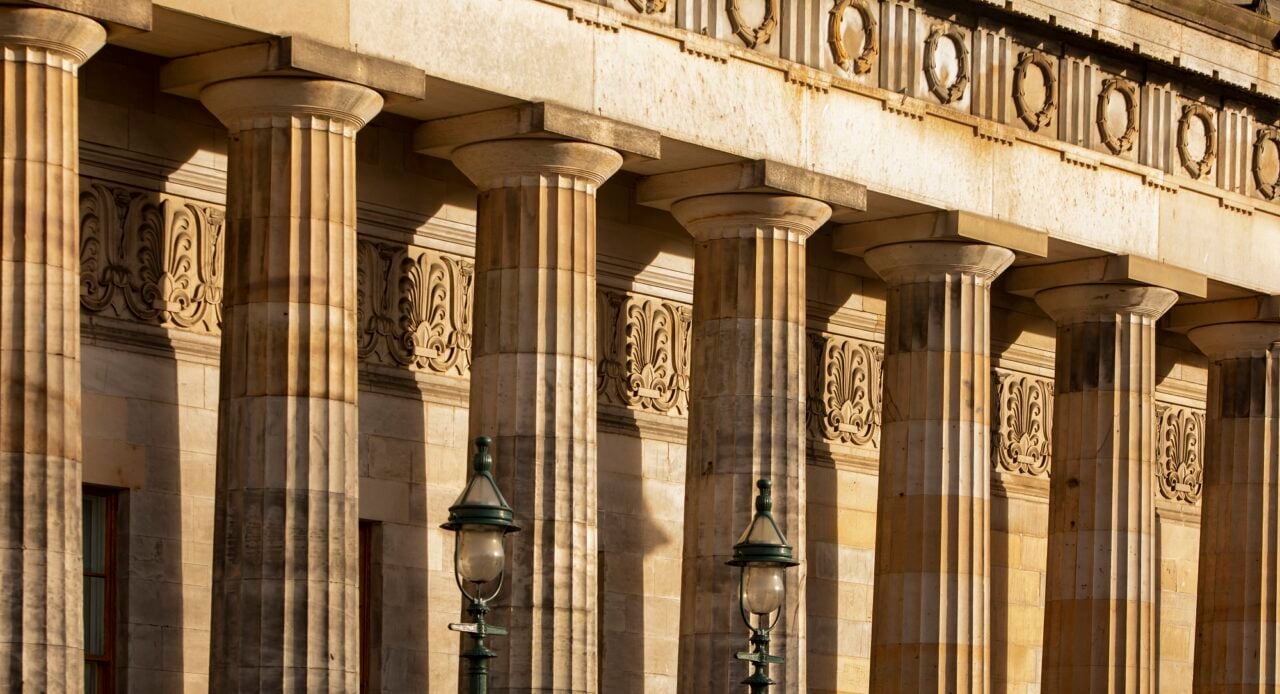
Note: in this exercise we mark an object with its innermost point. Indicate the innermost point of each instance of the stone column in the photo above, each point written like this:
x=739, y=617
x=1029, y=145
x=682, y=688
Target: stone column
x=41, y=630
x=1100, y=585
x=533, y=389
x=931, y=607
x=285, y=577
x=746, y=420
x=1237, y=646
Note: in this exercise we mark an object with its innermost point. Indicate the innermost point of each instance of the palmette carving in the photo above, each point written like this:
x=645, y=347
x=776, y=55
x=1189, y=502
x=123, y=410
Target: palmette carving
x=1179, y=461
x=150, y=256
x=644, y=353
x=844, y=390
x=1024, y=420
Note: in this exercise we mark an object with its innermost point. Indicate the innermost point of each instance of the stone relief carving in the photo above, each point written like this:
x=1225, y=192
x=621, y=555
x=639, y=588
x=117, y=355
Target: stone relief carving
x=150, y=256
x=644, y=352
x=844, y=390
x=1179, y=465
x=946, y=93
x=752, y=36
x=1118, y=144
x=414, y=307
x=1023, y=423
x=861, y=63
x=1266, y=188
x=1035, y=119
x=1203, y=165
x=649, y=6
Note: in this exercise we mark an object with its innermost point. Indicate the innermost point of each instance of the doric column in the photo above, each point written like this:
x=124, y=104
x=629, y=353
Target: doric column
x=41, y=632
x=931, y=607
x=1101, y=584
x=746, y=421
x=533, y=389
x=1237, y=647
x=285, y=602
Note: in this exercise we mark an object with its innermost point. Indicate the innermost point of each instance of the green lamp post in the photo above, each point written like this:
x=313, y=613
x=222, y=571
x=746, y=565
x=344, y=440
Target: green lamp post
x=764, y=555
x=480, y=519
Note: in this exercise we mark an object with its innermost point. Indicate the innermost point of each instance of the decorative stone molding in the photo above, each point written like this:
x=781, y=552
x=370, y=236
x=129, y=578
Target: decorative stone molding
x=644, y=353
x=861, y=63
x=1024, y=421
x=757, y=35
x=1043, y=116
x=1179, y=459
x=946, y=93
x=649, y=6
x=1266, y=188
x=414, y=308
x=1203, y=165
x=844, y=390
x=150, y=256
x=1129, y=92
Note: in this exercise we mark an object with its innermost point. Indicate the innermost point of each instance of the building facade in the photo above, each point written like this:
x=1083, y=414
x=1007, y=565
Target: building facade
x=989, y=290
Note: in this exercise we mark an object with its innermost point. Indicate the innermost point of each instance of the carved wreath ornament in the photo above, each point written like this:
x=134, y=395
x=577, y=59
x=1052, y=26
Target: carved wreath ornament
x=1124, y=142
x=1203, y=165
x=752, y=36
x=649, y=6
x=1043, y=116
x=1267, y=189
x=861, y=63
x=946, y=93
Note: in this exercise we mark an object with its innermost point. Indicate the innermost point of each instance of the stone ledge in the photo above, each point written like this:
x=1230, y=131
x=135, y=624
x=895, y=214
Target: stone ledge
x=1247, y=309
x=1114, y=269
x=757, y=176
x=293, y=56
x=438, y=138
x=953, y=225
x=120, y=16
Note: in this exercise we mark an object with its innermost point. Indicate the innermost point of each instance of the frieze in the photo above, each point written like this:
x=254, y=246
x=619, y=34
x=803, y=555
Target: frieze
x=844, y=390
x=861, y=63
x=752, y=36
x=1179, y=454
x=1121, y=142
x=1041, y=117
x=953, y=91
x=644, y=352
x=1023, y=422
x=150, y=257
x=1197, y=166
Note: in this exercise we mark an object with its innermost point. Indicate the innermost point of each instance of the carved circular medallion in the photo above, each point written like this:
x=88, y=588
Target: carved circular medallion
x=954, y=91
x=1268, y=185
x=752, y=36
x=1203, y=165
x=1127, y=90
x=649, y=6
x=860, y=64
x=1044, y=115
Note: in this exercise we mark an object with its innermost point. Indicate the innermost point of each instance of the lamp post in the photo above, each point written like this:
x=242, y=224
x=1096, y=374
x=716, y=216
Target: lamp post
x=480, y=519
x=764, y=555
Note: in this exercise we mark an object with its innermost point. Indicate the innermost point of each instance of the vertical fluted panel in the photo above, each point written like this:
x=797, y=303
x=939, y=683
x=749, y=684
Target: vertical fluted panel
x=41, y=629
x=1100, y=578
x=746, y=421
x=285, y=600
x=533, y=389
x=931, y=608
x=1237, y=646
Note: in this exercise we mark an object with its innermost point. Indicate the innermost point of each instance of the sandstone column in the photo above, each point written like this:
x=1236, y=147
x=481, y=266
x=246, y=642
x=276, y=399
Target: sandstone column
x=931, y=607
x=1100, y=584
x=746, y=421
x=285, y=576
x=533, y=389
x=40, y=556
x=1237, y=646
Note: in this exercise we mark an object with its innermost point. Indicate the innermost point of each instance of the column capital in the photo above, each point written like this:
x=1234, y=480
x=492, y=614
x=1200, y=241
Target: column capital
x=1079, y=303
x=501, y=163
x=742, y=215
x=75, y=36
x=916, y=261
x=254, y=102
x=1135, y=270
x=440, y=138
x=1225, y=340
x=949, y=225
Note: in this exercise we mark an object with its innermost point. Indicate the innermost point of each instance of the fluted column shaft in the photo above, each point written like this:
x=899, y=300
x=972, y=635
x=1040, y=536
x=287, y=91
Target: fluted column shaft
x=285, y=577
x=1237, y=647
x=533, y=389
x=931, y=607
x=746, y=421
x=1100, y=584
x=41, y=628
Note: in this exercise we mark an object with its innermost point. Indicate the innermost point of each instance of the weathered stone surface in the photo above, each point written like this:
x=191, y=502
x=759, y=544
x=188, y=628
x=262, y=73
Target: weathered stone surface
x=41, y=630
x=285, y=539
x=1100, y=626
